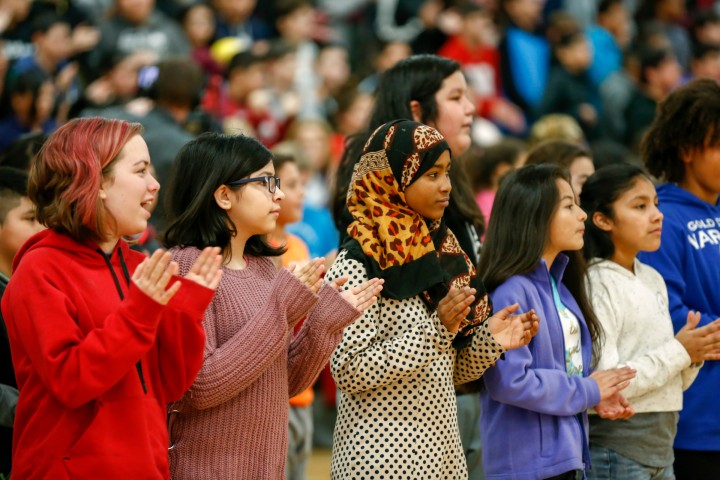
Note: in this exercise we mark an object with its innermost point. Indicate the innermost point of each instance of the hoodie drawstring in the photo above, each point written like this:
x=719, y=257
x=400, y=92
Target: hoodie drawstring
x=126, y=274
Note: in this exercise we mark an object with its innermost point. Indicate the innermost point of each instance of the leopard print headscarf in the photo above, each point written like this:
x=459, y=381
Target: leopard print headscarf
x=414, y=256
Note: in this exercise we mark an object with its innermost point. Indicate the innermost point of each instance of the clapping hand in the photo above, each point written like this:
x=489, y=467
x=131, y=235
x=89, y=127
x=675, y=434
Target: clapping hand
x=153, y=275
x=701, y=343
x=513, y=331
x=206, y=269
x=310, y=274
x=455, y=306
x=610, y=382
x=360, y=296
x=615, y=407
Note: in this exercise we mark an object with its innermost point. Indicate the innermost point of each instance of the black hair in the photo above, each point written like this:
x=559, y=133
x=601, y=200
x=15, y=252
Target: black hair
x=22, y=151
x=480, y=166
x=700, y=50
x=201, y=167
x=646, y=11
x=283, y=8
x=650, y=57
x=704, y=18
x=29, y=81
x=13, y=186
x=419, y=78
x=686, y=120
x=47, y=20
x=599, y=193
x=243, y=60
x=519, y=230
x=606, y=5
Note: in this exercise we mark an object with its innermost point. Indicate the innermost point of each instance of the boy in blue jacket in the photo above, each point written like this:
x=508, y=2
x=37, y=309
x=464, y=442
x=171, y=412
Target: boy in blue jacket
x=682, y=148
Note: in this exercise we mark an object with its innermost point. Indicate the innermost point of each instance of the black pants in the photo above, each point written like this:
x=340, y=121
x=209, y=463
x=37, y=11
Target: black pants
x=696, y=464
x=571, y=475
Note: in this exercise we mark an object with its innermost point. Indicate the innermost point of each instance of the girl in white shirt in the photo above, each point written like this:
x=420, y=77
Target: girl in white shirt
x=630, y=300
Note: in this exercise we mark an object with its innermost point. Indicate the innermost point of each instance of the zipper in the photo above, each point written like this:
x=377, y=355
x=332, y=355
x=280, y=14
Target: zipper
x=578, y=417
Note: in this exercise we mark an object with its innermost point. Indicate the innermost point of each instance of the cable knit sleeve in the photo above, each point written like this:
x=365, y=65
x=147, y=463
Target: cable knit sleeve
x=232, y=366
x=181, y=339
x=318, y=337
x=364, y=360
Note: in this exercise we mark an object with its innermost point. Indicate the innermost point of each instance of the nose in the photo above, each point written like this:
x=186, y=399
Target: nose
x=583, y=216
x=278, y=195
x=446, y=184
x=657, y=215
x=153, y=184
x=468, y=106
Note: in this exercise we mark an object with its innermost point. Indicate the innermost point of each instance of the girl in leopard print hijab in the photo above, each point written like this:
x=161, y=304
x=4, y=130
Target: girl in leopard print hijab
x=416, y=254
x=396, y=366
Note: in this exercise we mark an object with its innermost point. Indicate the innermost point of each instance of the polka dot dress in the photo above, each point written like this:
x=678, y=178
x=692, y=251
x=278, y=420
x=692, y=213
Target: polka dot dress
x=396, y=368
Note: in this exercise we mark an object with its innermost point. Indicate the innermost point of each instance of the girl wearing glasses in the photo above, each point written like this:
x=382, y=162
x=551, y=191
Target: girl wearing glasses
x=102, y=337
x=233, y=422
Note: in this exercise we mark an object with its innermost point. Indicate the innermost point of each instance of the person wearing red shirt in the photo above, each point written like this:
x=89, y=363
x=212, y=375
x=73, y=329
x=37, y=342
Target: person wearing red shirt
x=102, y=337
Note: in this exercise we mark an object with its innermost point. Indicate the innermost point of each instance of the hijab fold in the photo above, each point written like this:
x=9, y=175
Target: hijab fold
x=414, y=255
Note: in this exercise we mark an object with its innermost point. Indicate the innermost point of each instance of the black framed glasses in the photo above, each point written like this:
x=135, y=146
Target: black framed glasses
x=272, y=183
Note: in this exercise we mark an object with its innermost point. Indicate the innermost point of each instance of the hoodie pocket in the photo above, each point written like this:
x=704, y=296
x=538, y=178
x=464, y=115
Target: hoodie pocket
x=126, y=439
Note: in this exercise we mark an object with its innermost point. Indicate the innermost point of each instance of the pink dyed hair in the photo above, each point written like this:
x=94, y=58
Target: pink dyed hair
x=66, y=176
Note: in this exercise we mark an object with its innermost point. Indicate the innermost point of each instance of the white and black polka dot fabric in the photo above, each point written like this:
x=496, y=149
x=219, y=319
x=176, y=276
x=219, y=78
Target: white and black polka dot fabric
x=396, y=368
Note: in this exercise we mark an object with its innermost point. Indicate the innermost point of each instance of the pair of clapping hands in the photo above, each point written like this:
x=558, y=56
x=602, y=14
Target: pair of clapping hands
x=514, y=331
x=510, y=331
x=701, y=343
x=361, y=296
x=153, y=276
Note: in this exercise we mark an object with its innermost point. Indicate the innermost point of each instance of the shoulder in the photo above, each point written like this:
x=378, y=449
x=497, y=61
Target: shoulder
x=649, y=275
x=515, y=288
x=349, y=267
x=185, y=257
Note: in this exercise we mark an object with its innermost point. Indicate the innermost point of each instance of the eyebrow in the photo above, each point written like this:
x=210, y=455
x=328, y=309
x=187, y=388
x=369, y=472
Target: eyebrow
x=568, y=197
x=266, y=173
x=146, y=162
x=643, y=197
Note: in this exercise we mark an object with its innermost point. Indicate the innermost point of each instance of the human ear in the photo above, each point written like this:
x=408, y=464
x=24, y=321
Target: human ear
x=686, y=155
x=416, y=110
x=602, y=222
x=222, y=197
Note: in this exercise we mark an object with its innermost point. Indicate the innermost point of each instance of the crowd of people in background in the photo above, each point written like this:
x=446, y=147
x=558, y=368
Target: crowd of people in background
x=424, y=233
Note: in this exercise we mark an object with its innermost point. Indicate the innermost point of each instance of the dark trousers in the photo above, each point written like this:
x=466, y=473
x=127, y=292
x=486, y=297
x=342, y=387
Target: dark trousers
x=571, y=475
x=696, y=464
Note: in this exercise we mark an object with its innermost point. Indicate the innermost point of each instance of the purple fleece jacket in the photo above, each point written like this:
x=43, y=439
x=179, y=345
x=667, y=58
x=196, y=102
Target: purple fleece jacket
x=533, y=416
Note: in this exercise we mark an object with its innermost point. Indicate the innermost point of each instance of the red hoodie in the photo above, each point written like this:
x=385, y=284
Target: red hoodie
x=95, y=372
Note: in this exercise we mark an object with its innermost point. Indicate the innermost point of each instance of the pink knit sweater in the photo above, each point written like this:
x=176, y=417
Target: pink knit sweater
x=232, y=423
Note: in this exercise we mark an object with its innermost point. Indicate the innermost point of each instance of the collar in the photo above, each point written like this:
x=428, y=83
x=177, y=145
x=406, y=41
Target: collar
x=557, y=269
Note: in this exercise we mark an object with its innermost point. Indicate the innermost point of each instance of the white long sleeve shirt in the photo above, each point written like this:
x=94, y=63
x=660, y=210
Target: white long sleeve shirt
x=633, y=310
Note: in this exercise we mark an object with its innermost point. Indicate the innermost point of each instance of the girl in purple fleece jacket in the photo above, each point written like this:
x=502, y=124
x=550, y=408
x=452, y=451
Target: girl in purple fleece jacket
x=534, y=403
